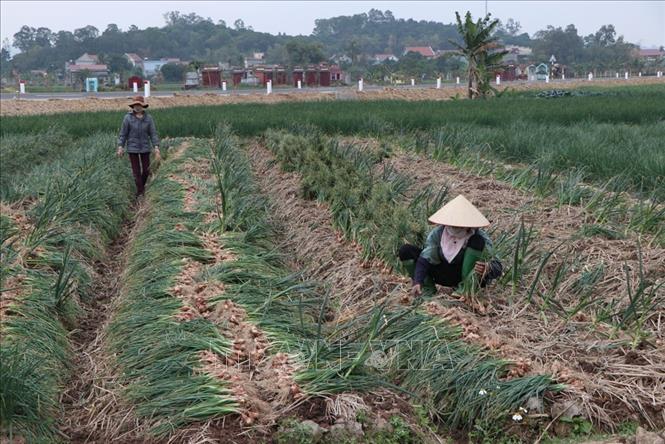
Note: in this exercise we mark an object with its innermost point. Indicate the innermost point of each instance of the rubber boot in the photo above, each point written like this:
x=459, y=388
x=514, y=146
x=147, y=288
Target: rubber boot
x=471, y=256
x=429, y=287
x=409, y=266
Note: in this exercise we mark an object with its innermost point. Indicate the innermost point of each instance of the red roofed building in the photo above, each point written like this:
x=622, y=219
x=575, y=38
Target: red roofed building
x=87, y=59
x=651, y=54
x=73, y=72
x=336, y=74
x=425, y=51
x=134, y=59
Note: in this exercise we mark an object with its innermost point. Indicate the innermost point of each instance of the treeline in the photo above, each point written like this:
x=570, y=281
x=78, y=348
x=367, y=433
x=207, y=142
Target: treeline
x=195, y=38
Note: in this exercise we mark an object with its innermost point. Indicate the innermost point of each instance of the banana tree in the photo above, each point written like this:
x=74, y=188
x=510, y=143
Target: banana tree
x=481, y=50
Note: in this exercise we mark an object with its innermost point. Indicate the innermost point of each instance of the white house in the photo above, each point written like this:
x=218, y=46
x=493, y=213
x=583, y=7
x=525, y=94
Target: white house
x=152, y=67
x=256, y=59
x=380, y=58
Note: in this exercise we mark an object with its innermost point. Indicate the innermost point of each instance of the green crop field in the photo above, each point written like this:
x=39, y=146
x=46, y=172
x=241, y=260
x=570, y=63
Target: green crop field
x=254, y=293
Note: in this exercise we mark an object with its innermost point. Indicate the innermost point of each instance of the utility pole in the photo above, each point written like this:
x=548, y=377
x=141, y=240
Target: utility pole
x=485, y=8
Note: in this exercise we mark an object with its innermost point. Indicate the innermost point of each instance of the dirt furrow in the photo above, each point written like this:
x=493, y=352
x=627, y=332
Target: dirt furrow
x=317, y=249
x=85, y=399
x=322, y=254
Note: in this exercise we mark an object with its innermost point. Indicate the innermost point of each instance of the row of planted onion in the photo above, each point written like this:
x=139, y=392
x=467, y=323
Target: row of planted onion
x=427, y=356
x=62, y=204
x=210, y=319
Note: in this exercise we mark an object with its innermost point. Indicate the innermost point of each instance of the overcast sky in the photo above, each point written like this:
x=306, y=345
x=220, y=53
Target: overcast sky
x=641, y=22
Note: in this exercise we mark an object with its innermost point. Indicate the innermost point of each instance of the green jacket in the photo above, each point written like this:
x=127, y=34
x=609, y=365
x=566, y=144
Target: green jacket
x=432, y=250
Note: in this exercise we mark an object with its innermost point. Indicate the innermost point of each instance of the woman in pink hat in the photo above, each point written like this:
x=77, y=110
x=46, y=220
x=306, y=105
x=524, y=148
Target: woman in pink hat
x=453, y=249
x=139, y=135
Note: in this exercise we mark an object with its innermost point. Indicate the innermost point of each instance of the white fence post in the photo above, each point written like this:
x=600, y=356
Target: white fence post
x=639, y=74
x=563, y=77
x=268, y=86
x=590, y=77
x=547, y=78
x=360, y=85
x=498, y=80
x=413, y=82
x=146, y=88
x=136, y=87
x=299, y=84
x=21, y=87
x=223, y=86
x=438, y=83
x=457, y=80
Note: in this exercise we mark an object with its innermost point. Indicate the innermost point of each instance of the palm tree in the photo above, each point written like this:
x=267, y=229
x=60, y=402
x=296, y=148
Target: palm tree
x=481, y=50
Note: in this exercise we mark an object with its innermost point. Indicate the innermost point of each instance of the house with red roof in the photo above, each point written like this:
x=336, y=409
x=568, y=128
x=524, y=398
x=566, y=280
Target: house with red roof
x=88, y=64
x=134, y=59
x=651, y=55
x=425, y=51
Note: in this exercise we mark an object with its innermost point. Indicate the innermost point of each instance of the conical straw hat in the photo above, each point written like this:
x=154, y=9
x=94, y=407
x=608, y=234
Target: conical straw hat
x=459, y=212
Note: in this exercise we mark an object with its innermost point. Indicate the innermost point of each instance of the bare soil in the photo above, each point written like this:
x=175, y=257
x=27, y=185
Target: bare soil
x=18, y=107
x=319, y=250
x=81, y=398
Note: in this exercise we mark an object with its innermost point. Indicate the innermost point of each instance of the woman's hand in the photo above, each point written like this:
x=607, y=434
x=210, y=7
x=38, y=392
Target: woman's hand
x=158, y=154
x=481, y=269
x=120, y=151
x=417, y=290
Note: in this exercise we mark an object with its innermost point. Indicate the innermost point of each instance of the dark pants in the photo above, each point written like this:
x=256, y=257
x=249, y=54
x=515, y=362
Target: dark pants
x=141, y=170
x=450, y=274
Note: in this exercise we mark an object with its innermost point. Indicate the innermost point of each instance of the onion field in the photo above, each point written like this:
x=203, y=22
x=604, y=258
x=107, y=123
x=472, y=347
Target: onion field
x=254, y=294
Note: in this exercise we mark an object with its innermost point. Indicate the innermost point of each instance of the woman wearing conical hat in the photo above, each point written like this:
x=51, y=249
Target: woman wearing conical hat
x=138, y=136
x=453, y=249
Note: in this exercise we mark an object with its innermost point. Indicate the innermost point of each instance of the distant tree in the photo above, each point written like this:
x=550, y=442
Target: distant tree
x=353, y=50
x=239, y=25
x=112, y=28
x=44, y=37
x=173, y=72
x=67, y=46
x=509, y=33
x=376, y=16
x=117, y=63
x=24, y=39
x=604, y=50
x=5, y=58
x=481, y=51
x=413, y=64
x=302, y=53
x=196, y=65
x=277, y=54
x=566, y=45
x=86, y=33
x=512, y=27
x=605, y=36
